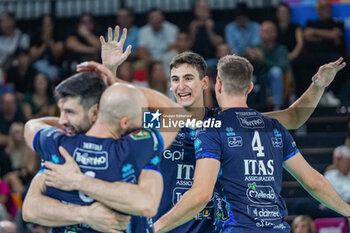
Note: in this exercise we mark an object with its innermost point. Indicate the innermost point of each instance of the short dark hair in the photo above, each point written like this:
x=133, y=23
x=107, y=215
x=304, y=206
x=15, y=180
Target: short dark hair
x=236, y=73
x=86, y=85
x=190, y=58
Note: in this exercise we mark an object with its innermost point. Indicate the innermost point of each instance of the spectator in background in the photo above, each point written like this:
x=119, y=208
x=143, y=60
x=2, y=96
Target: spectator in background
x=83, y=45
x=7, y=227
x=21, y=73
x=324, y=42
x=39, y=101
x=339, y=177
x=289, y=34
x=303, y=224
x=203, y=37
x=47, y=48
x=270, y=61
x=156, y=79
x=125, y=19
x=156, y=37
x=9, y=113
x=125, y=71
x=23, y=160
x=242, y=33
x=181, y=45
x=11, y=39
x=6, y=201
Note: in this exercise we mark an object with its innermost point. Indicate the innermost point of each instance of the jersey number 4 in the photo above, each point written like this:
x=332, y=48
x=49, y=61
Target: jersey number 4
x=256, y=145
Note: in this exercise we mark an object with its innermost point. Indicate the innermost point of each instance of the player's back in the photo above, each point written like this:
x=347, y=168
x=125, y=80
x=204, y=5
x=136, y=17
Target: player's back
x=251, y=149
x=105, y=159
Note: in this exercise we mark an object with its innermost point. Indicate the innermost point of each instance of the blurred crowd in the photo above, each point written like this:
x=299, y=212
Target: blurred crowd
x=284, y=55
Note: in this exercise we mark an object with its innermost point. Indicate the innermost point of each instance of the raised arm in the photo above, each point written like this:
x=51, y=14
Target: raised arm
x=300, y=111
x=141, y=199
x=316, y=184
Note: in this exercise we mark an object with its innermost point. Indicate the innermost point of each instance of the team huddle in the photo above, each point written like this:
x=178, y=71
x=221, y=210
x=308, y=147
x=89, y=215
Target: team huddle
x=100, y=166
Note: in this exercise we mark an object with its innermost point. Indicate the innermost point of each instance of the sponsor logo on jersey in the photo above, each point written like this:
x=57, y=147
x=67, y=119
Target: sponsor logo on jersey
x=91, y=159
x=230, y=132
x=235, y=141
x=277, y=133
x=251, y=122
x=174, y=155
x=127, y=170
x=277, y=142
x=265, y=212
x=261, y=194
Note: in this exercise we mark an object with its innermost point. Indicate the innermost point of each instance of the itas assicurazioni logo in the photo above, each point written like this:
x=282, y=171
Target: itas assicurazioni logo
x=168, y=121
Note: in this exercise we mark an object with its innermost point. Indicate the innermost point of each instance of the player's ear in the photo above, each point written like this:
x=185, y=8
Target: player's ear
x=250, y=87
x=218, y=85
x=205, y=82
x=124, y=123
x=93, y=113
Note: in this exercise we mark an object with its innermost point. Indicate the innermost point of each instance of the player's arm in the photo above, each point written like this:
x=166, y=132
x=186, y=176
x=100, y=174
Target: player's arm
x=316, y=184
x=51, y=212
x=35, y=125
x=298, y=113
x=195, y=199
x=141, y=199
x=54, y=213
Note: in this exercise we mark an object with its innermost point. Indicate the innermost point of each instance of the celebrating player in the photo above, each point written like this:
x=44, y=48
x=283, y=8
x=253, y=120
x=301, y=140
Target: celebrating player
x=188, y=81
x=250, y=151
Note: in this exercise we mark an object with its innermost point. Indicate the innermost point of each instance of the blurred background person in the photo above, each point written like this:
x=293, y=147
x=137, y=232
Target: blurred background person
x=270, y=61
x=303, y=224
x=324, y=42
x=47, y=48
x=125, y=18
x=7, y=227
x=39, y=101
x=203, y=36
x=24, y=161
x=11, y=39
x=156, y=37
x=156, y=79
x=242, y=33
x=289, y=34
x=21, y=73
x=83, y=45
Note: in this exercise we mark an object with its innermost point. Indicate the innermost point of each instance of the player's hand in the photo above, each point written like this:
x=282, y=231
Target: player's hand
x=326, y=73
x=64, y=176
x=106, y=75
x=112, y=51
x=103, y=219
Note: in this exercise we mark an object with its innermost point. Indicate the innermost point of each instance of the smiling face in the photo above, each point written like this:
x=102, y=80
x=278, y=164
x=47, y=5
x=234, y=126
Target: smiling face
x=73, y=116
x=187, y=86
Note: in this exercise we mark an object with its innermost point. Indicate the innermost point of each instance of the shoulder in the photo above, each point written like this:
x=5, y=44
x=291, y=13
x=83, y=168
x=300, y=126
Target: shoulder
x=231, y=26
x=170, y=26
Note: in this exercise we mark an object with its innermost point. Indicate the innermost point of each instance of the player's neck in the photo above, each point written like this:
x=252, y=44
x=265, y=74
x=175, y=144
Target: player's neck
x=233, y=102
x=196, y=112
x=100, y=130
